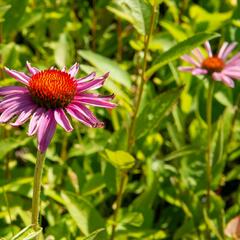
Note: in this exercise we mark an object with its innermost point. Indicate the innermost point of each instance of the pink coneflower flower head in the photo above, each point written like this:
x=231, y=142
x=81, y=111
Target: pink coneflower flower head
x=47, y=98
x=217, y=66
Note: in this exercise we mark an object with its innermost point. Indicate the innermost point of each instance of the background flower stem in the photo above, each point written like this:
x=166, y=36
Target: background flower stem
x=37, y=189
x=131, y=139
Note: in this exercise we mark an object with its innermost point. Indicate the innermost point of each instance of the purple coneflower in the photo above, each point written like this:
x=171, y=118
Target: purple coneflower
x=217, y=66
x=47, y=97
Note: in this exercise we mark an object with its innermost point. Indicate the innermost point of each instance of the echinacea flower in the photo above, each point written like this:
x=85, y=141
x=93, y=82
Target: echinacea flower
x=47, y=97
x=217, y=66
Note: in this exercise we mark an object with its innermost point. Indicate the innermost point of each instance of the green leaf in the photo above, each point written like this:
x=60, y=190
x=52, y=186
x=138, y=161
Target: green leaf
x=13, y=17
x=137, y=12
x=9, y=144
x=132, y=218
x=27, y=233
x=3, y=9
x=107, y=65
x=174, y=30
x=64, y=50
x=182, y=152
x=180, y=49
x=154, y=111
x=208, y=21
x=93, y=235
x=85, y=215
x=120, y=159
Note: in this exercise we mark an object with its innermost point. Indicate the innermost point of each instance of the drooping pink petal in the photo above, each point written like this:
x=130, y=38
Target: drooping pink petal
x=89, y=77
x=217, y=76
x=191, y=60
x=208, y=48
x=222, y=49
x=76, y=114
x=74, y=70
x=232, y=74
x=85, y=112
x=62, y=119
x=228, y=81
x=185, y=68
x=229, y=50
x=92, y=85
x=98, y=102
x=10, y=112
x=46, y=130
x=34, y=122
x=12, y=90
x=31, y=69
x=20, y=76
x=199, y=71
x=24, y=115
x=11, y=100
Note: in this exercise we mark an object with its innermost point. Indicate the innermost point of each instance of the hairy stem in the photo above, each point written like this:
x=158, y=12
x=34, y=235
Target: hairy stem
x=37, y=189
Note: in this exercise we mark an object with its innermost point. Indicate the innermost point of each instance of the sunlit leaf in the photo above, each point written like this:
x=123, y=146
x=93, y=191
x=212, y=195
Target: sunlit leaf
x=107, y=65
x=120, y=159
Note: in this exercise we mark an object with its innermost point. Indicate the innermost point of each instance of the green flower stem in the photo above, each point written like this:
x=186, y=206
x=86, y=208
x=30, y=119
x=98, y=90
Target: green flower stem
x=209, y=147
x=37, y=189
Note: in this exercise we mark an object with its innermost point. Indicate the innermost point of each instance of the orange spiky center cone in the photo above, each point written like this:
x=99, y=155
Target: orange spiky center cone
x=213, y=64
x=52, y=89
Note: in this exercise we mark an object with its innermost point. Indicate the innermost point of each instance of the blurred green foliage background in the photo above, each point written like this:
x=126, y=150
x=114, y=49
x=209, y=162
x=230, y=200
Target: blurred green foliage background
x=165, y=194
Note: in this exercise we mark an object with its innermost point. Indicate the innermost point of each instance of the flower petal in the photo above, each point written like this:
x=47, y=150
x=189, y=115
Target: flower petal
x=191, y=60
x=98, y=102
x=197, y=53
x=31, y=69
x=199, y=71
x=11, y=100
x=46, y=130
x=74, y=70
x=20, y=76
x=92, y=85
x=13, y=110
x=228, y=81
x=12, y=90
x=62, y=119
x=232, y=74
x=222, y=49
x=89, y=77
x=233, y=59
x=34, y=122
x=229, y=50
x=24, y=116
x=208, y=48
x=217, y=76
